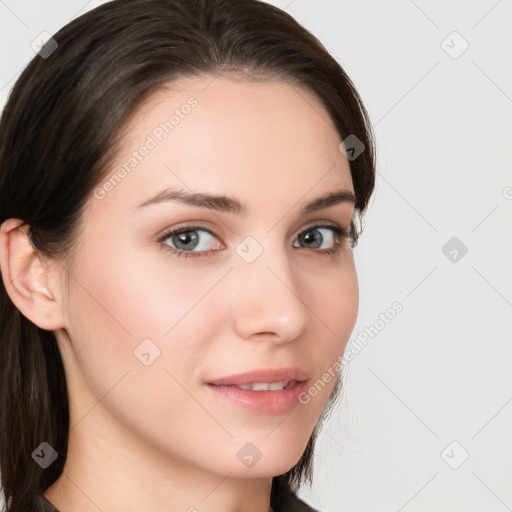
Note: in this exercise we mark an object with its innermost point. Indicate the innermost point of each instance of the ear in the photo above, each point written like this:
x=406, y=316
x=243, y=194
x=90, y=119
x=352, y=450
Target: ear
x=28, y=278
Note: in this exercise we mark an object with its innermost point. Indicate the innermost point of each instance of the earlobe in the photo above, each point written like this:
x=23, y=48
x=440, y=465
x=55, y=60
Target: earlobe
x=27, y=278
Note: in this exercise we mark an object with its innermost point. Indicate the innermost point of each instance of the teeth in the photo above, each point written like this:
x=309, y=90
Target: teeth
x=260, y=386
x=265, y=386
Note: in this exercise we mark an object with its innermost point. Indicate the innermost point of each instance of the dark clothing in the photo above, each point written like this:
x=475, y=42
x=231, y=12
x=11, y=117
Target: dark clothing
x=292, y=503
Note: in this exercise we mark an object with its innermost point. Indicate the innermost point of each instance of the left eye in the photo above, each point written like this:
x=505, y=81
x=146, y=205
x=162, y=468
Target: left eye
x=315, y=237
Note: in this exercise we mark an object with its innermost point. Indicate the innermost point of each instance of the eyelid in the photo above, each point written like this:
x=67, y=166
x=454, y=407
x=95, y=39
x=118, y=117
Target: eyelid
x=340, y=229
x=183, y=228
x=320, y=224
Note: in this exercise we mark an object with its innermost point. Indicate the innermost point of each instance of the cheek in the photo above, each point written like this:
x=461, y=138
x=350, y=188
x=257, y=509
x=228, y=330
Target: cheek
x=121, y=312
x=343, y=293
x=334, y=304
x=133, y=296
x=128, y=309
x=334, y=300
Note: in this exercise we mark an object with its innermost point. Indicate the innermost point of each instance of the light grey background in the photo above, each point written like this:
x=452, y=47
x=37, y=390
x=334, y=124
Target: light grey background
x=439, y=372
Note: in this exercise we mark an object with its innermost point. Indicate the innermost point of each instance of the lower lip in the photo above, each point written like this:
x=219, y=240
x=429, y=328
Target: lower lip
x=263, y=402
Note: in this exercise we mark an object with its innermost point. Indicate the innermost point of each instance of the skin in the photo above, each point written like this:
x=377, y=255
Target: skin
x=151, y=437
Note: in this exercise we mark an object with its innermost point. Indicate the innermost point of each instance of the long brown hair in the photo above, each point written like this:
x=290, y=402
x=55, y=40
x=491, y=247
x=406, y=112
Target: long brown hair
x=58, y=132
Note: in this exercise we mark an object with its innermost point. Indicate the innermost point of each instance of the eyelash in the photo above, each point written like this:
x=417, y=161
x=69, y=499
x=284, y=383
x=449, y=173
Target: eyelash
x=341, y=237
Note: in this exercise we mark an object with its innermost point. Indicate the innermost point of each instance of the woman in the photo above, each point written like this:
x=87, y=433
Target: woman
x=181, y=183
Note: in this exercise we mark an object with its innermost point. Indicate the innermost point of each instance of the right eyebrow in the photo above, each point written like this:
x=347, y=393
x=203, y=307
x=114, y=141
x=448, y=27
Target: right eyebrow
x=215, y=202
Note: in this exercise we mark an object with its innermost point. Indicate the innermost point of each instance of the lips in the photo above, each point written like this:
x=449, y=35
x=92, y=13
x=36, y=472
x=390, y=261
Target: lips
x=267, y=391
x=262, y=375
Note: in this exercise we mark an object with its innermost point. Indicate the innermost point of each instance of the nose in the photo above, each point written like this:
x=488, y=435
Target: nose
x=269, y=302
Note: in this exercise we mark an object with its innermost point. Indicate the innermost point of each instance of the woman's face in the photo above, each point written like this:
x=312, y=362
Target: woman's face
x=254, y=289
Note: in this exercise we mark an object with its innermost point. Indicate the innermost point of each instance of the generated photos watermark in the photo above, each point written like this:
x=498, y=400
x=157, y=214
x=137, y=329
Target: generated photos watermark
x=354, y=347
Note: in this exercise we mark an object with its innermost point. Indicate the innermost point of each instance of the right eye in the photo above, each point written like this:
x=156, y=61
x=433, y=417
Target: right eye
x=188, y=241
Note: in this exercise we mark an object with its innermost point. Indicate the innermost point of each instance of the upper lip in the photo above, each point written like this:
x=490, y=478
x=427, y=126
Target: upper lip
x=262, y=375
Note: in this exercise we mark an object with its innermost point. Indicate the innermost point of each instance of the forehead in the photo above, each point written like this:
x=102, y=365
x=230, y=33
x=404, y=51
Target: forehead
x=236, y=137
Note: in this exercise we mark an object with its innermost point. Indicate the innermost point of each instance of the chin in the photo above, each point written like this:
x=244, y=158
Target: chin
x=278, y=458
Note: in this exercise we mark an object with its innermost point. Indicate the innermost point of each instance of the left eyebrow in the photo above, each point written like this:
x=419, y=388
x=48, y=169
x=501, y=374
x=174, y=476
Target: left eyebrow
x=329, y=199
x=222, y=203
